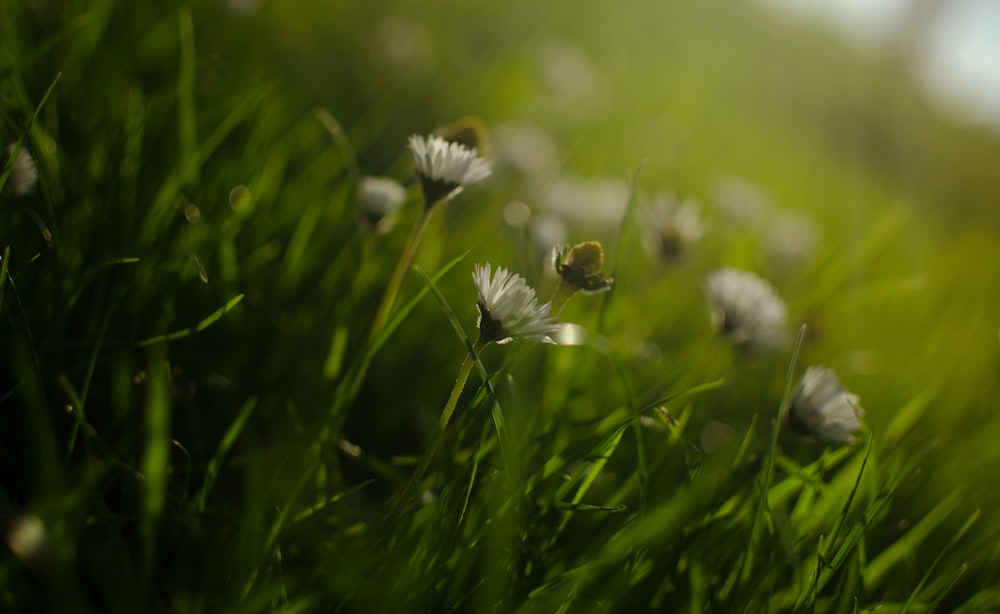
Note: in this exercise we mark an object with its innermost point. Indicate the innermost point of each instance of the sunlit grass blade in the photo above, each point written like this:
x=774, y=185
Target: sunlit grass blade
x=155, y=464
x=312, y=510
x=200, y=326
x=224, y=446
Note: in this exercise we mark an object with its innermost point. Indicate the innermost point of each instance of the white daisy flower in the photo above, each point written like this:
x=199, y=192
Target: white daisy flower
x=445, y=168
x=23, y=177
x=746, y=309
x=822, y=408
x=597, y=201
x=379, y=197
x=508, y=308
x=526, y=148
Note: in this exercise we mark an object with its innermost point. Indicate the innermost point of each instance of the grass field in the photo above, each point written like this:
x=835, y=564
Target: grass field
x=214, y=397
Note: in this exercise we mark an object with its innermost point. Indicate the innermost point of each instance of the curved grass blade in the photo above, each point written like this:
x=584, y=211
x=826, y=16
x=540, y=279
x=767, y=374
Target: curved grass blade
x=765, y=484
x=224, y=446
x=197, y=328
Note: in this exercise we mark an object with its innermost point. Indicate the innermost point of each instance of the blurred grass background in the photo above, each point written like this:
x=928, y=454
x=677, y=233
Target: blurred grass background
x=200, y=160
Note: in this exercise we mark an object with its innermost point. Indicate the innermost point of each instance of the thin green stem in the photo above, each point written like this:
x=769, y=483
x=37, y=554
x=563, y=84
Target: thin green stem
x=405, y=260
x=562, y=294
x=446, y=413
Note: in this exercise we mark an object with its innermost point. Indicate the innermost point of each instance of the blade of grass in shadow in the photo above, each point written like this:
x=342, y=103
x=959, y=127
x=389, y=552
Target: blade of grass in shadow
x=159, y=212
x=3, y=275
x=584, y=475
x=186, y=126
x=923, y=581
x=81, y=399
x=224, y=446
x=485, y=447
x=200, y=326
x=337, y=497
x=907, y=544
x=344, y=147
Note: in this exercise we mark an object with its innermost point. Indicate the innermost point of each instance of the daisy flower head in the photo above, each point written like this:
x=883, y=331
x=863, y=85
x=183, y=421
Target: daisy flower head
x=822, y=408
x=508, y=308
x=445, y=168
x=746, y=309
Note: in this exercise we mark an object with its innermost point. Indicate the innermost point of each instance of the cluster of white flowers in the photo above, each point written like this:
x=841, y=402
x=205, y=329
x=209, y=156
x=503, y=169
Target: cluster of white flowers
x=746, y=309
x=508, y=308
x=822, y=408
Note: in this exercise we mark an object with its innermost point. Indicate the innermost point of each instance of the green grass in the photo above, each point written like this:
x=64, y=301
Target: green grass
x=197, y=413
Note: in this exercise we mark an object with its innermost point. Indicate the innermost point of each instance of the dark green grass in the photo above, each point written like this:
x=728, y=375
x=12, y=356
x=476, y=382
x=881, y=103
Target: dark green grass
x=195, y=415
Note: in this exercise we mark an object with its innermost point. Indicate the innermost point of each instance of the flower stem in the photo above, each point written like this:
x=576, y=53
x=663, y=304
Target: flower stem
x=405, y=260
x=563, y=293
x=446, y=413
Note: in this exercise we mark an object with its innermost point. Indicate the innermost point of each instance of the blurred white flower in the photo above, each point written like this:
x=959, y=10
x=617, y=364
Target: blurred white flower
x=445, y=168
x=23, y=176
x=600, y=201
x=673, y=226
x=508, y=308
x=739, y=200
x=572, y=81
x=403, y=46
x=244, y=7
x=822, y=408
x=379, y=198
x=746, y=309
x=526, y=148
x=790, y=239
